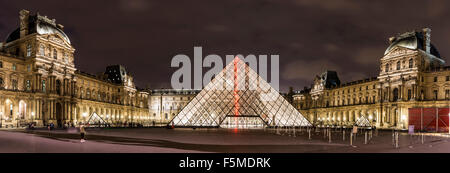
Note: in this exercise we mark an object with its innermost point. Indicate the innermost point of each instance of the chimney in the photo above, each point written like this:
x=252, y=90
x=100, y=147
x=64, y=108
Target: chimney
x=60, y=26
x=426, y=39
x=391, y=39
x=23, y=20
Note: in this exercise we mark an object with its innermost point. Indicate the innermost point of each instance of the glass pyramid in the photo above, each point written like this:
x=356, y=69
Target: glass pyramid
x=363, y=122
x=95, y=120
x=238, y=97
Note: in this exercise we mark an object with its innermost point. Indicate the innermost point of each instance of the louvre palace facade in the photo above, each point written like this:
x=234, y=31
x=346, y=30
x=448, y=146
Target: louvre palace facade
x=39, y=81
x=411, y=75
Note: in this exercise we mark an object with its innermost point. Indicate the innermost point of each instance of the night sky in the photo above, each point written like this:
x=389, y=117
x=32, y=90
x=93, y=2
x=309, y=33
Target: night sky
x=309, y=35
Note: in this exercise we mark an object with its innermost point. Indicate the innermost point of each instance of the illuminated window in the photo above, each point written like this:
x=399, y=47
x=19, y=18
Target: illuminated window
x=55, y=54
x=14, y=67
x=28, y=84
x=43, y=86
x=42, y=50
x=14, y=84
x=398, y=65
x=28, y=50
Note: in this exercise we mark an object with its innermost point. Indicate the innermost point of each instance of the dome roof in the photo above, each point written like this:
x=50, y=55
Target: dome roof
x=411, y=40
x=41, y=25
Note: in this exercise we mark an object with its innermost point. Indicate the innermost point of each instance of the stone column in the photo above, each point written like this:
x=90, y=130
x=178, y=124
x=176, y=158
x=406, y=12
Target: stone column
x=38, y=109
x=389, y=94
x=72, y=88
x=52, y=110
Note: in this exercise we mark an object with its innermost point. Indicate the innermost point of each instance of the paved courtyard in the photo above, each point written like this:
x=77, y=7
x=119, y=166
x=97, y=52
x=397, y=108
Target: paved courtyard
x=161, y=140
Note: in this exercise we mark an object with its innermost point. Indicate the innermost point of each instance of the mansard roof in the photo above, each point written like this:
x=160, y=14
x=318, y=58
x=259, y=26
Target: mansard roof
x=411, y=40
x=41, y=25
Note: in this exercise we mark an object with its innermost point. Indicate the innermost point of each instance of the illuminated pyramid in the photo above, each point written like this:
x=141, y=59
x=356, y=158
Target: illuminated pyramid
x=238, y=97
x=363, y=122
x=95, y=119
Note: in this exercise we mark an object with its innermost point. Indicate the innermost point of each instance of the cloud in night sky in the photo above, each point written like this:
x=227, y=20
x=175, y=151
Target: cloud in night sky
x=309, y=35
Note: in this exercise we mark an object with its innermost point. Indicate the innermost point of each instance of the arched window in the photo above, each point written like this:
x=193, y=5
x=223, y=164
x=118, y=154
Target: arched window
x=88, y=94
x=410, y=63
x=55, y=54
x=28, y=50
x=398, y=65
x=14, y=84
x=386, y=68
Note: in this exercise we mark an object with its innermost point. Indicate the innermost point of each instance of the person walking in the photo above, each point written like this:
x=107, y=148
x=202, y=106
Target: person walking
x=82, y=133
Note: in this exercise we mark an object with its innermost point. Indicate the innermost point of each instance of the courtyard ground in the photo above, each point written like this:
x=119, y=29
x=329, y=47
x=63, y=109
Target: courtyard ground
x=179, y=140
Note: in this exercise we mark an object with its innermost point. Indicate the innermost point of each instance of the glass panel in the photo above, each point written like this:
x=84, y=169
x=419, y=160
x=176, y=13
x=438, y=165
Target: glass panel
x=239, y=100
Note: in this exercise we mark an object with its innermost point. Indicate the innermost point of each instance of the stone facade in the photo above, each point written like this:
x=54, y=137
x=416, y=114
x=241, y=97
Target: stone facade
x=412, y=74
x=167, y=103
x=39, y=81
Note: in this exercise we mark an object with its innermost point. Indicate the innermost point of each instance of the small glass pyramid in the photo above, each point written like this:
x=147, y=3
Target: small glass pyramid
x=238, y=97
x=95, y=120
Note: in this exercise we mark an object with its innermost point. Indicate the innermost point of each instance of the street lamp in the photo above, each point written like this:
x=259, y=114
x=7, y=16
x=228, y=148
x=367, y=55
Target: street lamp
x=32, y=117
x=84, y=116
x=403, y=120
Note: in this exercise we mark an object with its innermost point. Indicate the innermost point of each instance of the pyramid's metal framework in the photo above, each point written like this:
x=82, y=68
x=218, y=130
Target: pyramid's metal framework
x=238, y=94
x=363, y=122
x=96, y=120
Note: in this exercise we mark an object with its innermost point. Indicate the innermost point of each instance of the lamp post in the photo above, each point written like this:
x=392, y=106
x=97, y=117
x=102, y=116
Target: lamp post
x=32, y=117
x=403, y=120
x=84, y=116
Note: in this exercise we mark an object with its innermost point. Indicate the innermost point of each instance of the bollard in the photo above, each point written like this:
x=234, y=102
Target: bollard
x=343, y=135
x=365, y=137
x=351, y=139
x=396, y=139
x=329, y=136
x=422, y=138
x=309, y=133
